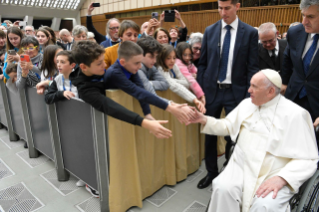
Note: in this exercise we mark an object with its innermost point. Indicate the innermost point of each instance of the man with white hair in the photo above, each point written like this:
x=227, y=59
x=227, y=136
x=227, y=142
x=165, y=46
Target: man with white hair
x=67, y=39
x=112, y=29
x=29, y=31
x=276, y=150
x=270, y=49
x=300, y=74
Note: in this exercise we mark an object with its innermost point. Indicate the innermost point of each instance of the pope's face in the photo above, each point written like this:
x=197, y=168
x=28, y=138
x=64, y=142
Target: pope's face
x=259, y=93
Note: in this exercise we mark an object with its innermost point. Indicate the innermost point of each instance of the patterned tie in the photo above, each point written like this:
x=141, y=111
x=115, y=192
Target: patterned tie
x=225, y=53
x=307, y=61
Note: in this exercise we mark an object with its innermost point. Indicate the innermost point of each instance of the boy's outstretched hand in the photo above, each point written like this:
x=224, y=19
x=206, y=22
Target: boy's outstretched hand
x=156, y=128
x=181, y=111
x=41, y=86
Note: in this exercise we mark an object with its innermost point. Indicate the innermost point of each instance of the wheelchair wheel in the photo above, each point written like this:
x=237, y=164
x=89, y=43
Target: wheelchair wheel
x=308, y=196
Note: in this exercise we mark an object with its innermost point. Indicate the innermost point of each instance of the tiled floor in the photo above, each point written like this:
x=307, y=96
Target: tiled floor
x=31, y=185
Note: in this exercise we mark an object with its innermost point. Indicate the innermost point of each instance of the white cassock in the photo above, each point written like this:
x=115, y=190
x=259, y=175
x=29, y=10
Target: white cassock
x=276, y=139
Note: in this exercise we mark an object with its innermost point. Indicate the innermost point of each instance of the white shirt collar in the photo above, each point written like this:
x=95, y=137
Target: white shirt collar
x=234, y=24
x=277, y=45
x=272, y=102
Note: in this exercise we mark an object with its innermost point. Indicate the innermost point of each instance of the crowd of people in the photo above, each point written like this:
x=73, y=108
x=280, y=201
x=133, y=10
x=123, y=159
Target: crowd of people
x=251, y=72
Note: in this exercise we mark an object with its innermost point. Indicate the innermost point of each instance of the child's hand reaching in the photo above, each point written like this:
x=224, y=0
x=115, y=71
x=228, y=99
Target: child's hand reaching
x=41, y=86
x=68, y=94
x=200, y=106
x=156, y=128
x=203, y=100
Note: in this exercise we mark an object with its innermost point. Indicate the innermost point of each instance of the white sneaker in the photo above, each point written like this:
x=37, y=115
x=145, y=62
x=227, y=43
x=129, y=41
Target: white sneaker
x=94, y=193
x=80, y=183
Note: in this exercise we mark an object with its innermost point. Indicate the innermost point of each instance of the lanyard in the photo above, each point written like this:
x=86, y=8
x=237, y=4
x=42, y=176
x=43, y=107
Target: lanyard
x=52, y=78
x=175, y=44
x=63, y=84
x=173, y=73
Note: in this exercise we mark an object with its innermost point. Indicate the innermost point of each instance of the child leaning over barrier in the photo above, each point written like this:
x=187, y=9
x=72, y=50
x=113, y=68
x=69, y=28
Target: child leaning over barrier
x=177, y=82
x=184, y=62
x=123, y=75
x=148, y=73
x=88, y=78
x=61, y=87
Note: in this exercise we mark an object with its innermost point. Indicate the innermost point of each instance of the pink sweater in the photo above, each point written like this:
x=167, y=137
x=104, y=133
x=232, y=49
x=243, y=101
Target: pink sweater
x=187, y=71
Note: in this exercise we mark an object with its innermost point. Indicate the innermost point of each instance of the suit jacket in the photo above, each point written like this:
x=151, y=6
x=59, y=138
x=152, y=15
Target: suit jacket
x=265, y=60
x=293, y=73
x=245, y=60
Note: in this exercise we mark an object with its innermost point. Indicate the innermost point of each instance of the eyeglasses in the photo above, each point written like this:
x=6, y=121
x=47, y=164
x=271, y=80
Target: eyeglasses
x=114, y=28
x=196, y=49
x=29, y=30
x=269, y=41
x=29, y=48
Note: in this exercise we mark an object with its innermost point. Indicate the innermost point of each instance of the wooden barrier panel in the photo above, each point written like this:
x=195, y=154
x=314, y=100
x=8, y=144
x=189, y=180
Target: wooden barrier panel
x=140, y=164
x=197, y=21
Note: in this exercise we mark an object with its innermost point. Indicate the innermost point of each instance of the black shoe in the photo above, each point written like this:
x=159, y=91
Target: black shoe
x=206, y=181
x=25, y=145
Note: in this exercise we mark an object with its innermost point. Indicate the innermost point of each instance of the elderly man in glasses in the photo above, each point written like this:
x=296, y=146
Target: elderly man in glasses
x=112, y=29
x=270, y=49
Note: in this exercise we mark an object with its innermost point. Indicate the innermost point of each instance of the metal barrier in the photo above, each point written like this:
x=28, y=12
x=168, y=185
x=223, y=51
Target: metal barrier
x=83, y=142
x=6, y=117
x=71, y=133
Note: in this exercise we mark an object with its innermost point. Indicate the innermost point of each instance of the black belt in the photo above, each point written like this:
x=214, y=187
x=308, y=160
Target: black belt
x=224, y=86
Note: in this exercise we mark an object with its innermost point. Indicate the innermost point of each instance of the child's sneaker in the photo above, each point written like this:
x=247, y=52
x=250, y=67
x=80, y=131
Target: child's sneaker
x=95, y=193
x=80, y=183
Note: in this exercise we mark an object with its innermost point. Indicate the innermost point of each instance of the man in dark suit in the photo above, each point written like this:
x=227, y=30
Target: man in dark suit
x=300, y=72
x=229, y=59
x=270, y=49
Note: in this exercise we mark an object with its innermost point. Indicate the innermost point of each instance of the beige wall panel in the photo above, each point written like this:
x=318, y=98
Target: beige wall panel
x=166, y=2
x=105, y=8
x=111, y=8
x=82, y=13
x=175, y=1
x=127, y=5
x=148, y=3
x=121, y=5
x=140, y=3
x=156, y=2
x=116, y=6
x=133, y=4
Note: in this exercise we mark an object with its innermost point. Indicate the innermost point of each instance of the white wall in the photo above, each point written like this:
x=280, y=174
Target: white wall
x=16, y=11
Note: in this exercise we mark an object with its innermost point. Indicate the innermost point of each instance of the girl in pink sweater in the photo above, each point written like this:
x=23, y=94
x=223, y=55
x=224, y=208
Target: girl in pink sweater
x=187, y=68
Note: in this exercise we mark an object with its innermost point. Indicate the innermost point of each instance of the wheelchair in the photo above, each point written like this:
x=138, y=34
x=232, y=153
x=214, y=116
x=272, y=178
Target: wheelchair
x=306, y=200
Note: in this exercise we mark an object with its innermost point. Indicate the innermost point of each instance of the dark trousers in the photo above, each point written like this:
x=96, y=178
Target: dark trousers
x=224, y=99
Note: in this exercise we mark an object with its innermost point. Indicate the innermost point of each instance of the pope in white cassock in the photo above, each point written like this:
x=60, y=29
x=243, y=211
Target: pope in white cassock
x=276, y=150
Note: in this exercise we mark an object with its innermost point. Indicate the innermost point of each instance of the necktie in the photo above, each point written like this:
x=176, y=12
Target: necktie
x=273, y=56
x=225, y=54
x=307, y=61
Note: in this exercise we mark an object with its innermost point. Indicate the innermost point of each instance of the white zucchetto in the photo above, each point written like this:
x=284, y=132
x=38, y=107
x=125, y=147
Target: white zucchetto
x=273, y=76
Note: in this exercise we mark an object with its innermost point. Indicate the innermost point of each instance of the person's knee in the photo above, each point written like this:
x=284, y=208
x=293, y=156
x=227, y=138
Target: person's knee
x=225, y=188
x=265, y=204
